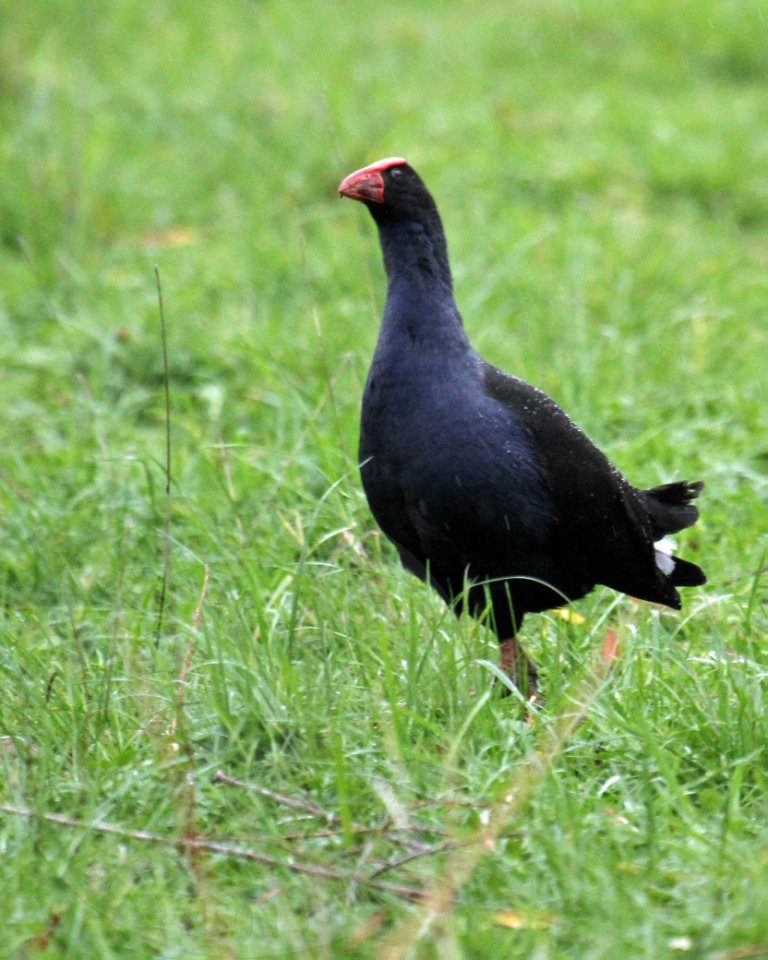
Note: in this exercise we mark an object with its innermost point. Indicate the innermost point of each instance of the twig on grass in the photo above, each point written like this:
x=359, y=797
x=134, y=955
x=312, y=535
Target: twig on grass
x=418, y=854
x=387, y=827
x=167, y=504
x=178, y=725
x=383, y=830
x=306, y=806
x=181, y=682
x=222, y=848
x=197, y=616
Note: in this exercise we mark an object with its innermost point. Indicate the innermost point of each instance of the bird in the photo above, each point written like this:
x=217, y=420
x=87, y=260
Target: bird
x=489, y=492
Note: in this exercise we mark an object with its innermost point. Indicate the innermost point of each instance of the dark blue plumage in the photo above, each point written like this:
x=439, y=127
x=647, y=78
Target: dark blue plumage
x=487, y=489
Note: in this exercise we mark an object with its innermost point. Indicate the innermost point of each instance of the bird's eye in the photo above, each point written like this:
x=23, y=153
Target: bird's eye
x=396, y=173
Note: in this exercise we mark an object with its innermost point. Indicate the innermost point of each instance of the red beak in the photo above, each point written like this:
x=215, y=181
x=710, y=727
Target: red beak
x=368, y=184
x=363, y=185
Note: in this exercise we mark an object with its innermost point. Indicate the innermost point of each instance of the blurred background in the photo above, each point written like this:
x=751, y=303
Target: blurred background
x=600, y=171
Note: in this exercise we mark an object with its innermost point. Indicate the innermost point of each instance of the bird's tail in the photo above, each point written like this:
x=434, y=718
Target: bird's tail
x=686, y=574
x=670, y=509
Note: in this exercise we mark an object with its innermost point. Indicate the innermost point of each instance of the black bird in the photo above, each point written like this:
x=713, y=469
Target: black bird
x=489, y=492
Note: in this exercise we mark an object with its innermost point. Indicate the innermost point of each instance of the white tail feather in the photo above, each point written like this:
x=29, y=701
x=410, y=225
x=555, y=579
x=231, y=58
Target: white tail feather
x=664, y=559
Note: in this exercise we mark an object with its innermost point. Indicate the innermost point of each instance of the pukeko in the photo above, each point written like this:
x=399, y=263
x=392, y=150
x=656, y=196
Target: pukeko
x=489, y=492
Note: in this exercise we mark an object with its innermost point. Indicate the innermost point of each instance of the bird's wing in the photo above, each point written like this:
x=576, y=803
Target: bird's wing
x=604, y=527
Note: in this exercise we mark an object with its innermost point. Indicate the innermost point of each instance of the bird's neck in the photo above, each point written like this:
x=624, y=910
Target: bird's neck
x=419, y=285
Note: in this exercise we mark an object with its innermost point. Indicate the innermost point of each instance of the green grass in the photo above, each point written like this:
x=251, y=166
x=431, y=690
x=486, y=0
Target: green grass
x=601, y=172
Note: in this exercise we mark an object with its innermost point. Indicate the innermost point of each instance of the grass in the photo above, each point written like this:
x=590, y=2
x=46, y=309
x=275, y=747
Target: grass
x=600, y=169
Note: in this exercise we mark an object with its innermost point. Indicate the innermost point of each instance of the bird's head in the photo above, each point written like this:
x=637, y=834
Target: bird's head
x=389, y=186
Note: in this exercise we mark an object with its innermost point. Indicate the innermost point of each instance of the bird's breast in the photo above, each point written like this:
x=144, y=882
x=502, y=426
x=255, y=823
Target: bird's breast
x=449, y=450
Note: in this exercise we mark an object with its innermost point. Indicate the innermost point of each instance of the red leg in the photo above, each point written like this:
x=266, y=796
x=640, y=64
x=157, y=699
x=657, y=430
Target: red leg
x=520, y=670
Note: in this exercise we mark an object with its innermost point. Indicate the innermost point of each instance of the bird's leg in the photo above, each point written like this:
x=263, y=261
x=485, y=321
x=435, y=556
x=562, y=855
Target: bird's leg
x=520, y=670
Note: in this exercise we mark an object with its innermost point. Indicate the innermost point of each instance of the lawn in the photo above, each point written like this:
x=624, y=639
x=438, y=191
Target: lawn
x=230, y=725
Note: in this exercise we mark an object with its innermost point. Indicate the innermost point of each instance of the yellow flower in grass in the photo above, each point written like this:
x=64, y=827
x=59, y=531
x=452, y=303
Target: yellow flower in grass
x=513, y=920
x=570, y=616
